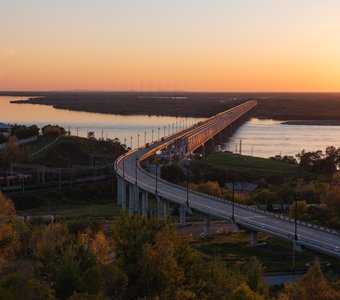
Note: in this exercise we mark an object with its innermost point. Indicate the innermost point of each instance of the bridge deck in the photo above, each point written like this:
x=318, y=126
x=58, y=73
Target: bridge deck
x=317, y=238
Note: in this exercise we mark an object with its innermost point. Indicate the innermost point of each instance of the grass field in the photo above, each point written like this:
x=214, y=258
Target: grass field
x=106, y=210
x=275, y=255
x=242, y=163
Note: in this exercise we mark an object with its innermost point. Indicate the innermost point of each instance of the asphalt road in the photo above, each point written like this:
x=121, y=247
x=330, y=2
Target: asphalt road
x=318, y=239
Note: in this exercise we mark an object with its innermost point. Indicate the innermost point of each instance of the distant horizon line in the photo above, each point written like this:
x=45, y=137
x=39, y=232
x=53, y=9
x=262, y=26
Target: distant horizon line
x=165, y=91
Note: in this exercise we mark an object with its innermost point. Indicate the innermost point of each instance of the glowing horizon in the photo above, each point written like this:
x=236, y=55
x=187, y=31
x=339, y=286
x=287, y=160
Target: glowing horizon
x=231, y=46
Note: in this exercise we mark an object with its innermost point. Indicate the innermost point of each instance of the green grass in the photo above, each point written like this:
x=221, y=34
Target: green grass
x=276, y=255
x=242, y=163
x=107, y=210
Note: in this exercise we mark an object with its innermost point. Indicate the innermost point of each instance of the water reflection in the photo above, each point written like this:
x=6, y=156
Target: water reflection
x=265, y=138
x=80, y=123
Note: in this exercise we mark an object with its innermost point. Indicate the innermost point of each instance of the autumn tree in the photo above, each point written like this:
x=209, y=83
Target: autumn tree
x=312, y=286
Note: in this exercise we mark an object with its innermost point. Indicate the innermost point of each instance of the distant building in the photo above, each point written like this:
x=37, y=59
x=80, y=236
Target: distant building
x=241, y=187
x=5, y=129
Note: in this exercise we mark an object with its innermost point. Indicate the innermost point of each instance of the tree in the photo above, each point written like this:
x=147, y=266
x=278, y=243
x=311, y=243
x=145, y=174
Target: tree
x=12, y=152
x=173, y=173
x=53, y=131
x=243, y=292
x=312, y=286
x=9, y=237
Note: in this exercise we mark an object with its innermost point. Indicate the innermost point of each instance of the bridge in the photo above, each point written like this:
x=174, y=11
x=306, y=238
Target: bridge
x=134, y=184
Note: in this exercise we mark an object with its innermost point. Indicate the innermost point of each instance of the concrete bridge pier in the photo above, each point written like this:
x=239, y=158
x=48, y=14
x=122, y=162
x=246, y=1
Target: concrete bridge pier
x=119, y=190
x=123, y=193
x=145, y=203
x=136, y=198
x=165, y=209
x=182, y=215
x=159, y=208
x=131, y=199
x=253, y=238
x=206, y=225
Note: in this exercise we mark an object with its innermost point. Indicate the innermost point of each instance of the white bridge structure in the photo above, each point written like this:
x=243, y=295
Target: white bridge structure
x=134, y=184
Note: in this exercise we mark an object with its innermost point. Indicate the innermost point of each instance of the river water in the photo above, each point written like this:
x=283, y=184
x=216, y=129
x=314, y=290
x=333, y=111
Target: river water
x=262, y=138
x=103, y=125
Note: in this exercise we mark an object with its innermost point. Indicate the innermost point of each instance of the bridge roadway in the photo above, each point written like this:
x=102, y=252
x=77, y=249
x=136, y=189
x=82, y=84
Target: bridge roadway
x=319, y=239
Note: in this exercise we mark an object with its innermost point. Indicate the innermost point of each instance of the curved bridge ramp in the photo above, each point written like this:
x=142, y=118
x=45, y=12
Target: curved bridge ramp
x=134, y=181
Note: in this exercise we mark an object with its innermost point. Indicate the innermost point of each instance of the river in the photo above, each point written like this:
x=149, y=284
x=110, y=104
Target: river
x=103, y=125
x=262, y=138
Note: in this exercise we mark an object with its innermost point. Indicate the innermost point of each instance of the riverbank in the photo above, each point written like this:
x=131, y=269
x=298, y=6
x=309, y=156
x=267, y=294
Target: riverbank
x=278, y=106
x=313, y=122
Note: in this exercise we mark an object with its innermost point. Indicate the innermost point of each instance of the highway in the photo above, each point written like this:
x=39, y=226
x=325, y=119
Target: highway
x=320, y=239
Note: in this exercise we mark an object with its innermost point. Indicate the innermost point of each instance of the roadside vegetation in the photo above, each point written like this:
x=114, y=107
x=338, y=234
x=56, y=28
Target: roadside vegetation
x=59, y=261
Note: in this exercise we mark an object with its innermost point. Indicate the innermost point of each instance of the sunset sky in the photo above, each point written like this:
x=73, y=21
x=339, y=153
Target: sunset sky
x=193, y=45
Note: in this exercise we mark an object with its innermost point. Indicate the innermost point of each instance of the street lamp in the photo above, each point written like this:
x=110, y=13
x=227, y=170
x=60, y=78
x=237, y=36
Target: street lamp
x=138, y=140
x=158, y=132
x=187, y=181
x=164, y=131
x=233, y=209
x=144, y=137
x=131, y=142
x=152, y=135
x=124, y=165
x=295, y=217
x=295, y=231
x=169, y=129
x=136, y=169
x=156, y=178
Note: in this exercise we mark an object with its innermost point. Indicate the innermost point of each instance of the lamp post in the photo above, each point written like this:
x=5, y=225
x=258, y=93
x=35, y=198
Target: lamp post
x=131, y=142
x=233, y=209
x=169, y=129
x=136, y=169
x=295, y=218
x=156, y=178
x=124, y=165
x=187, y=181
x=138, y=140
x=152, y=135
x=164, y=131
x=173, y=127
x=295, y=231
x=158, y=132
x=144, y=137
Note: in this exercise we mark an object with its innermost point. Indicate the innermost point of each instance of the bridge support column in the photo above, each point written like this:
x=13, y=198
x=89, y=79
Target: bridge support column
x=253, y=238
x=131, y=199
x=119, y=190
x=206, y=225
x=159, y=208
x=136, y=198
x=165, y=210
x=182, y=215
x=145, y=204
x=123, y=192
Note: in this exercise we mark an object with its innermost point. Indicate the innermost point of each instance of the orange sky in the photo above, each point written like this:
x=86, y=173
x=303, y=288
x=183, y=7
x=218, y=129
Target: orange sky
x=218, y=45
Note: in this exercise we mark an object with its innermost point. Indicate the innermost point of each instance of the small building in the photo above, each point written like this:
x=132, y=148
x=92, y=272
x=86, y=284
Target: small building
x=241, y=187
x=5, y=129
